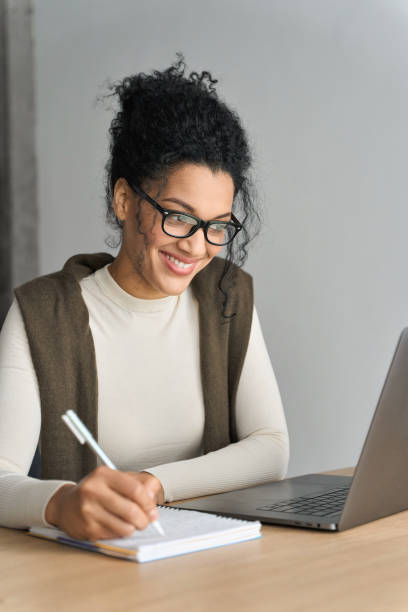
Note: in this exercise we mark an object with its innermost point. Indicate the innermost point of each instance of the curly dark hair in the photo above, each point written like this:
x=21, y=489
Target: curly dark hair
x=167, y=118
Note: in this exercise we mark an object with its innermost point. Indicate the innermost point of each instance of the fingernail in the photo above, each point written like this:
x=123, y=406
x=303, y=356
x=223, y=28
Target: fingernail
x=154, y=514
x=151, y=493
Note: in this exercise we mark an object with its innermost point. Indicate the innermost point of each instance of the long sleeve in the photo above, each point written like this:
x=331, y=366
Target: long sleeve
x=142, y=425
x=262, y=452
x=22, y=499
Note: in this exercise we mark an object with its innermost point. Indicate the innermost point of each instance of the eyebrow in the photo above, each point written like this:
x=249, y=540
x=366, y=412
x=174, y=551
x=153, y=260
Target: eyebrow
x=190, y=208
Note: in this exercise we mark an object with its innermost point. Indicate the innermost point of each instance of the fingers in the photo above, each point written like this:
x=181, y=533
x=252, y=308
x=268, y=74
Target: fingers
x=107, y=504
x=121, y=494
x=132, y=488
x=126, y=509
x=97, y=523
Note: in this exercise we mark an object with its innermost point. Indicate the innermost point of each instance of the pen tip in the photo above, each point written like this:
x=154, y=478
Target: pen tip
x=158, y=527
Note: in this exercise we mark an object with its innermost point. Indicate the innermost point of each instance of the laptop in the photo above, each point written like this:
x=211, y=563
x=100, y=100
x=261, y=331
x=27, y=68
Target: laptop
x=378, y=488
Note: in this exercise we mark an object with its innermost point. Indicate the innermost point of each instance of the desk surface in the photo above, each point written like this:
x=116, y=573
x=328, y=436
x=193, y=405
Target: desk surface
x=288, y=569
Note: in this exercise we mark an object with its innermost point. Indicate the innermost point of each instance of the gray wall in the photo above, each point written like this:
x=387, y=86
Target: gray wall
x=18, y=206
x=322, y=87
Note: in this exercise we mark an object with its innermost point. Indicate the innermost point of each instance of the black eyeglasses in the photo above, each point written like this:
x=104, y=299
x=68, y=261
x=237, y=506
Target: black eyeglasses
x=182, y=225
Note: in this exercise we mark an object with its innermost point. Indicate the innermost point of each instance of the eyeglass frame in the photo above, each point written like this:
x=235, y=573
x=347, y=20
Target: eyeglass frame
x=200, y=223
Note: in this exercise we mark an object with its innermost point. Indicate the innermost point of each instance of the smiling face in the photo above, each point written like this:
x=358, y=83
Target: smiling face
x=151, y=264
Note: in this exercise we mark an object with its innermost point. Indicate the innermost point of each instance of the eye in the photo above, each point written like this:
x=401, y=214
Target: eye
x=218, y=227
x=184, y=219
x=180, y=219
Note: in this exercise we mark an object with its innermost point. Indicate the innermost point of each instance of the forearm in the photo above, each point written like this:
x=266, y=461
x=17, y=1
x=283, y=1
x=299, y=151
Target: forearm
x=23, y=500
x=259, y=458
x=262, y=452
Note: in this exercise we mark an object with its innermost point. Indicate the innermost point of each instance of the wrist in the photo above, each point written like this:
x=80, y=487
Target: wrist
x=52, y=511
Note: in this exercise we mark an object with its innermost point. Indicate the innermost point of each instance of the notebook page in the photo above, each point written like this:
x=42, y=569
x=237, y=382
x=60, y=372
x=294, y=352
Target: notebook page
x=183, y=525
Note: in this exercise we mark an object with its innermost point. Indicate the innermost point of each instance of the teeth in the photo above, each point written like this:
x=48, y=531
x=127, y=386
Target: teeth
x=178, y=263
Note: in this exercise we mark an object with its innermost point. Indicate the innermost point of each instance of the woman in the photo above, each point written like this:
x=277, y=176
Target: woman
x=159, y=350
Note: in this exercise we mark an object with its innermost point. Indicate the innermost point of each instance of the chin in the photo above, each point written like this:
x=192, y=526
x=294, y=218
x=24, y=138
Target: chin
x=174, y=288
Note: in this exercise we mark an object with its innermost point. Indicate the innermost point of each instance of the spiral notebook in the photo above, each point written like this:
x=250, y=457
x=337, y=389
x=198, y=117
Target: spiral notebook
x=186, y=531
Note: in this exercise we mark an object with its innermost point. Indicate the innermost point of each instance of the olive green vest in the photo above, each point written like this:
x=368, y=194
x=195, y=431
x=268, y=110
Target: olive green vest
x=57, y=324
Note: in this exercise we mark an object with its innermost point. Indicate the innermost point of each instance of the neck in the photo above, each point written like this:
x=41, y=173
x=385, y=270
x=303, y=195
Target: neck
x=129, y=279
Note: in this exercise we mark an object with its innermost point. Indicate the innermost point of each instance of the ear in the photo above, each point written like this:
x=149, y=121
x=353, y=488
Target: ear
x=121, y=199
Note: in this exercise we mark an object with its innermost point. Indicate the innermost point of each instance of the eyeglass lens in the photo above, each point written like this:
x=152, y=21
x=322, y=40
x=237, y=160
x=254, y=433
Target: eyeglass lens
x=179, y=225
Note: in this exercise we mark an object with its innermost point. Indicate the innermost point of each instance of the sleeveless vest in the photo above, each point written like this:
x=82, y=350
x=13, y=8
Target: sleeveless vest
x=57, y=324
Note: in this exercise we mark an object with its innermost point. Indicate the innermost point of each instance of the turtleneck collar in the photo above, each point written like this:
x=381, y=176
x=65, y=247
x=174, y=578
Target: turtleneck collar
x=113, y=291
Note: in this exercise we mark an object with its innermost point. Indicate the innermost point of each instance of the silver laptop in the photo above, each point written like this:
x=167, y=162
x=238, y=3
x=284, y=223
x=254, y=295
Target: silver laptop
x=378, y=488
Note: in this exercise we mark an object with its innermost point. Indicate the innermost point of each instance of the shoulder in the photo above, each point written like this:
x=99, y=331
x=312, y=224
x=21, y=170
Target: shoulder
x=55, y=300
x=225, y=288
x=233, y=277
x=52, y=287
x=13, y=325
x=42, y=292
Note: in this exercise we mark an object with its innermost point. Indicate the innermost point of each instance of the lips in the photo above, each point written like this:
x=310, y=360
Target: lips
x=185, y=260
x=179, y=265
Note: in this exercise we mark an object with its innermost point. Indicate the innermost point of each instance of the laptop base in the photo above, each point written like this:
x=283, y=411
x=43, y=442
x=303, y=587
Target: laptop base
x=246, y=503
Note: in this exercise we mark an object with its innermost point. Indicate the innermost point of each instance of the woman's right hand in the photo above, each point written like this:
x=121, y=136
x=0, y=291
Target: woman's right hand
x=105, y=504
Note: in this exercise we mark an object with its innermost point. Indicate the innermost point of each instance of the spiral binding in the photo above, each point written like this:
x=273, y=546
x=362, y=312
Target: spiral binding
x=227, y=518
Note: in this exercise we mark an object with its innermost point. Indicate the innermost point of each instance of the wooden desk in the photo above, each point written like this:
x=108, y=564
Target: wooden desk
x=364, y=569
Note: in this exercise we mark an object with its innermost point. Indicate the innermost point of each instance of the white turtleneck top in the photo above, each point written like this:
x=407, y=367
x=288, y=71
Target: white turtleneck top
x=150, y=403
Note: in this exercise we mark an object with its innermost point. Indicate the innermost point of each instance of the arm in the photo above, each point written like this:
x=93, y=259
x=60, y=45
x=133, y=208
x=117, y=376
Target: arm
x=262, y=452
x=106, y=503
x=22, y=499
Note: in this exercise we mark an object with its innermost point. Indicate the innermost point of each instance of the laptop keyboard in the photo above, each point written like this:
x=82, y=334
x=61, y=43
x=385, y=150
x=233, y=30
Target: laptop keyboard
x=324, y=504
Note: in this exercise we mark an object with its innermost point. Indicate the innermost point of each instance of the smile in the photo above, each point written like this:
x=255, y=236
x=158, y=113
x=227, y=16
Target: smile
x=178, y=263
x=178, y=266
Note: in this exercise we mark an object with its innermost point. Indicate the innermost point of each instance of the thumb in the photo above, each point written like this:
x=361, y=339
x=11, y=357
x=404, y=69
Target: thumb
x=151, y=483
x=150, y=492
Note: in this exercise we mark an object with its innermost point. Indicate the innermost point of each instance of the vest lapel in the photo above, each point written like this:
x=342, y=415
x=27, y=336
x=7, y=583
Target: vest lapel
x=61, y=344
x=214, y=333
x=223, y=344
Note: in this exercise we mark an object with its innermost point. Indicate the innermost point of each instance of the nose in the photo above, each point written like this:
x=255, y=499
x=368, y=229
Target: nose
x=195, y=245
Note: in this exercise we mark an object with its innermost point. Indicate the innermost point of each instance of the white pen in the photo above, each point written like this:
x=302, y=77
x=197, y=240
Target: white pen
x=84, y=436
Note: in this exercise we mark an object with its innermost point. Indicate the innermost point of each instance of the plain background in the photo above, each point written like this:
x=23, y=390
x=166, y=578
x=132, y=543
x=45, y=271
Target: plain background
x=322, y=88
